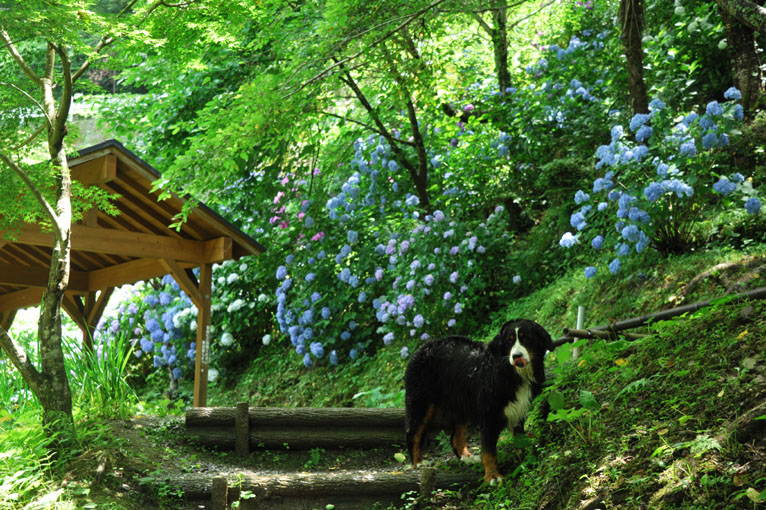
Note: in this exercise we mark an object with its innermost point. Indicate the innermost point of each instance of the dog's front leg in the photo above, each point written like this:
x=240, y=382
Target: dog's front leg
x=489, y=437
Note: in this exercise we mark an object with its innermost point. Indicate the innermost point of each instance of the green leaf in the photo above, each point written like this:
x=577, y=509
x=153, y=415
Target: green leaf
x=588, y=401
x=556, y=400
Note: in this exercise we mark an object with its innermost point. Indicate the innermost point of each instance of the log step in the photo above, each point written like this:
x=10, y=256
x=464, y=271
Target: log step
x=345, y=490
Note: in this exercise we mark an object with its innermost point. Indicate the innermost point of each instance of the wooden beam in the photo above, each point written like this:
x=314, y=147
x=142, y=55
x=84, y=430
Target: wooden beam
x=184, y=281
x=203, y=336
x=129, y=272
x=94, y=309
x=96, y=171
x=6, y=319
x=32, y=296
x=74, y=308
x=133, y=244
x=25, y=276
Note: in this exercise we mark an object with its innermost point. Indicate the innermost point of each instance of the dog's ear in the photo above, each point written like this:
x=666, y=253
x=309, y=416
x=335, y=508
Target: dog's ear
x=499, y=344
x=545, y=337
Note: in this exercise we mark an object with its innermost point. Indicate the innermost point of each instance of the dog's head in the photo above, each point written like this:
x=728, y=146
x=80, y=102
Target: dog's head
x=523, y=343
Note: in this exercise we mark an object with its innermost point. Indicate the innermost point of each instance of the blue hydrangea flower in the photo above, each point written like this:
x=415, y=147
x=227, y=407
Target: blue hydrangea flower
x=451, y=323
x=657, y=104
x=643, y=133
x=724, y=186
x=602, y=205
x=581, y=197
x=639, y=120
x=429, y=279
x=732, y=93
x=315, y=296
x=418, y=321
x=753, y=205
x=458, y=308
x=623, y=249
x=310, y=277
x=688, y=148
x=631, y=233
x=447, y=296
x=388, y=338
x=352, y=236
x=616, y=133
x=568, y=240
x=714, y=109
x=590, y=272
x=614, y=266
x=689, y=119
x=333, y=357
x=710, y=140
x=738, y=177
x=405, y=352
x=307, y=361
x=653, y=192
x=517, y=279
x=577, y=220
x=738, y=112
x=317, y=349
x=597, y=242
x=353, y=281
x=151, y=300
x=636, y=214
x=345, y=335
x=326, y=312
x=281, y=273
x=707, y=123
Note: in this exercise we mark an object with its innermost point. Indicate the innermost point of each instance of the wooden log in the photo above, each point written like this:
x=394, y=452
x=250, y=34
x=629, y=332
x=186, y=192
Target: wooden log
x=637, y=322
x=219, y=494
x=320, y=488
x=300, y=428
x=242, y=430
x=596, y=333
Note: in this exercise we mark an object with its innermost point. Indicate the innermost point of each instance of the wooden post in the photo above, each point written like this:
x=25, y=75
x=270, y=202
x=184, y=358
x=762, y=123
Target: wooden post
x=242, y=429
x=427, y=482
x=203, y=336
x=219, y=495
x=580, y=325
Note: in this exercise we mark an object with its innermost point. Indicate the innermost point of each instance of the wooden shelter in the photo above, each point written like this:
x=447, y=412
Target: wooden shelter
x=135, y=245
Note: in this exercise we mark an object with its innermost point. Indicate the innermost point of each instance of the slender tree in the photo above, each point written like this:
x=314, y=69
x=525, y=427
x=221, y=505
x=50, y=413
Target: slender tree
x=43, y=45
x=632, y=21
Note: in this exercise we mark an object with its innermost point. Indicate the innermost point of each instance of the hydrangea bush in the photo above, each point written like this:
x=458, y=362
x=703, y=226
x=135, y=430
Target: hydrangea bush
x=657, y=175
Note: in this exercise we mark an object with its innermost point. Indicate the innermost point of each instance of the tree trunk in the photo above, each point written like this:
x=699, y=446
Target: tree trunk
x=745, y=65
x=632, y=23
x=54, y=394
x=499, y=36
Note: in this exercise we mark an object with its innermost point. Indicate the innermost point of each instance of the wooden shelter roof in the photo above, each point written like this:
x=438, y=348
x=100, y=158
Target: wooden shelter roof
x=107, y=251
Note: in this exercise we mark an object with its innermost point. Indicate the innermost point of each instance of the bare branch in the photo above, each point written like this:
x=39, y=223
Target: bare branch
x=18, y=58
x=105, y=41
x=34, y=189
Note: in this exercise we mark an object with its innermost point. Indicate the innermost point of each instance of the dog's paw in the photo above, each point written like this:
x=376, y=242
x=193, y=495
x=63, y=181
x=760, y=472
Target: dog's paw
x=427, y=463
x=470, y=459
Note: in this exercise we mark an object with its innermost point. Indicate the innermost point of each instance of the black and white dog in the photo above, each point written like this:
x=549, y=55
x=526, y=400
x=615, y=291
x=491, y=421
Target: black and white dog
x=460, y=382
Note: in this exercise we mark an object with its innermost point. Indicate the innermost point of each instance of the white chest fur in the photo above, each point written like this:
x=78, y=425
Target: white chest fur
x=516, y=410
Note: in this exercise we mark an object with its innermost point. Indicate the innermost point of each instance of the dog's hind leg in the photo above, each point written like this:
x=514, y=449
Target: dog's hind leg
x=416, y=431
x=459, y=444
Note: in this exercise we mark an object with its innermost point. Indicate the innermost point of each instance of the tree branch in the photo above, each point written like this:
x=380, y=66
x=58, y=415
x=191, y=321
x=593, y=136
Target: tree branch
x=6, y=84
x=18, y=58
x=746, y=12
x=49, y=211
x=363, y=124
x=483, y=23
x=30, y=138
x=66, y=95
x=322, y=74
x=21, y=361
x=104, y=42
x=520, y=20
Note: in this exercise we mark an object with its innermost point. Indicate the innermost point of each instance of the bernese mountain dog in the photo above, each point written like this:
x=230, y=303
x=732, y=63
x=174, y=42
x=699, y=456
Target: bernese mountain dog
x=456, y=382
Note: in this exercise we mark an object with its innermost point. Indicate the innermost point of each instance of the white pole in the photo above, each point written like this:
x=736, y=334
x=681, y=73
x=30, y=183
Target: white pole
x=580, y=325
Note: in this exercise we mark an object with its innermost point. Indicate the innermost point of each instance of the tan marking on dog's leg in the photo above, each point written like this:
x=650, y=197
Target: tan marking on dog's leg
x=459, y=441
x=490, y=467
x=417, y=453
